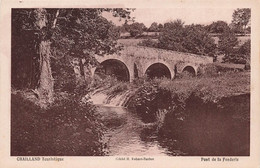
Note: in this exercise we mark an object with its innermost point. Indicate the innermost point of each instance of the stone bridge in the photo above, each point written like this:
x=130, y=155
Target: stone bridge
x=136, y=61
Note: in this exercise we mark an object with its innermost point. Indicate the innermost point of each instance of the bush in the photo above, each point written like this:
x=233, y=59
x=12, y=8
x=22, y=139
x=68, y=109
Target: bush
x=167, y=94
x=136, y=29
x=104, y=81
x=196, y=129
x=109, y=85
x=148, y=98
x=68, y=128
x=209, y=70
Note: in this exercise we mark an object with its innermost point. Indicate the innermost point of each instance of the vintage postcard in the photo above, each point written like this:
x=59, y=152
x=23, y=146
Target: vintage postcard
x=130, y=83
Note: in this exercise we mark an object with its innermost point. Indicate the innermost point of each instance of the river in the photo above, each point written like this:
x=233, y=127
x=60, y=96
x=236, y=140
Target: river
x=128, y=135
x=205, y=130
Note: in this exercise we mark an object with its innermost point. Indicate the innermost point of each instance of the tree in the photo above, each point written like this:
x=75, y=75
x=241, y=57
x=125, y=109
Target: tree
x=79, y=33
x=227, y=45
x=145, y=29
x=241, y=18
x=177, y=24
x=192, y=38
x=172, y=36
x=46, y=81
x=240, y=55
x=154, y=27
x=218, y=27
x=34, y=24
x=198, y=41
x=160, y=27
x=136, y=29
x=245, y=53
x=235, y=28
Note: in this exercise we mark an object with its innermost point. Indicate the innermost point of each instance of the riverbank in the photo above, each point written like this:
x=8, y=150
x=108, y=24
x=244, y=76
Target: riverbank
x=150, y=95
x=207, y=115
x=67, y=128
x=210, y=128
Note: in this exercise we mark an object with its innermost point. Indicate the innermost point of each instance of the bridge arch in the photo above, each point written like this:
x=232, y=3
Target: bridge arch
x=190, y=70
x=113, y=67
x=159, y=70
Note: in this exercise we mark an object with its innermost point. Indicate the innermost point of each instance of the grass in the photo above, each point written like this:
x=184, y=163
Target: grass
x=210, y=88
x=145, y=35
x=210, y=113
x=149, y=96
x=132, y=42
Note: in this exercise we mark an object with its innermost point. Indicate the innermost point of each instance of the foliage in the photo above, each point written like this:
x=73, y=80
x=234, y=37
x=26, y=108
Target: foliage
x=195, y=128
x=218, y=27
x=122, y=29
x=160, y=27
x=218, y=69
x=227, y=43
x=192, y=38
x=136, y=29
x=210, y=87
x=240, y=55
x=86, y=32
x=236, y=29
x=24, y=53
x=74, y=33
x=245, y=49
x=109, y=85
x=172, y=36
x=151, y=96
x=147, y=99
x=198, y=41
x=241, y=19
x=69, y=125
x=154, y=27
x=69, y=128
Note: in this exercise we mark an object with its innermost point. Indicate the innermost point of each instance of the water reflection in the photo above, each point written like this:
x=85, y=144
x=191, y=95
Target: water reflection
x=206, y=131
x=128, y=135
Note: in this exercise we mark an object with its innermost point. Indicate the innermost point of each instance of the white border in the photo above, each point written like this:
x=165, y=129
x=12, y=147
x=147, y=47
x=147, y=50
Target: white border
x=5, y=72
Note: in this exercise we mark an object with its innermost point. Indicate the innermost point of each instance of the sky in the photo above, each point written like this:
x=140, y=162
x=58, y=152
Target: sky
x=188, y=15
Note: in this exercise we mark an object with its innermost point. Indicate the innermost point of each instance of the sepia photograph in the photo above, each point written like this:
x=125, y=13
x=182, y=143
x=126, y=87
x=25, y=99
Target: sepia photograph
x=129, y=81
x=129, y=84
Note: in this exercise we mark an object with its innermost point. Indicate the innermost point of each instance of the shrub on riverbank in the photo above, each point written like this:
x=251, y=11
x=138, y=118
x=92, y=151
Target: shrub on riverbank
x=206, y=115
x=210, y=128
x=68, y=128
x=149, y=96
x=161, y=93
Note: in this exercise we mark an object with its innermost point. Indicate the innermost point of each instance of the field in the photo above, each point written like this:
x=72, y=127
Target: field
x=127, y=40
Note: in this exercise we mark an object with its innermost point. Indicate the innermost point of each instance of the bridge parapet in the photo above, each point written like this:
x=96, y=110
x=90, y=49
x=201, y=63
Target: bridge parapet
x=167, y=55
x=142, y=58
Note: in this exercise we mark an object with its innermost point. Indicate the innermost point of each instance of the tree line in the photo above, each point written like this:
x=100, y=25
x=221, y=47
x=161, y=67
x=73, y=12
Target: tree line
x=241, y=24
x=198, y=39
